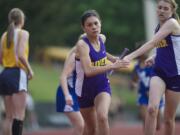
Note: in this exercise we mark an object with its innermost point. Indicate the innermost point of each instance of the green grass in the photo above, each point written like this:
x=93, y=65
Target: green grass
x=44, y=84
x=127, y=96
x=46, y=79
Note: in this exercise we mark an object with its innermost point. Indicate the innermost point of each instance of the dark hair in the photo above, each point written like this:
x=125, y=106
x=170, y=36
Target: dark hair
x=87, y=14
x=15, y=17
x=174, y=7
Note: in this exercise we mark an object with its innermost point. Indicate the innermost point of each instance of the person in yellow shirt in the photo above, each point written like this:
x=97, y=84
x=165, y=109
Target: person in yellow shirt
x=14, y=51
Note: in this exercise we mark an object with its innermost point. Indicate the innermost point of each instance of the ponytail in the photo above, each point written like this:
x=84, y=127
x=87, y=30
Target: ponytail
x=176, y=16
x=15, y=18
x=10, y=34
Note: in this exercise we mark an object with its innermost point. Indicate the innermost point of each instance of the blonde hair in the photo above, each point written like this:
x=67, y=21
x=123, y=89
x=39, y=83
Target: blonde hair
x=15, y=17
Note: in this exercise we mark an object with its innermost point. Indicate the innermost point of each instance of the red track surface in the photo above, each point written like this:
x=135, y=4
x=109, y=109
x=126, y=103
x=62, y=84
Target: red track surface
x=116, y=129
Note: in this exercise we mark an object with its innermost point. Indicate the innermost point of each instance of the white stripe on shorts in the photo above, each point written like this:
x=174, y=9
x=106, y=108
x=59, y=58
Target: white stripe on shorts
x=23, y=80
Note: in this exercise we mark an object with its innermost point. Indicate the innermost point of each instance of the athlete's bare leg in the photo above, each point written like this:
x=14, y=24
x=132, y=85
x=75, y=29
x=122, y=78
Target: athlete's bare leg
x=172, y=101
x=90, y=119
x=102, y=103
x=157, y=88
x=77, y=121
x=7, y=125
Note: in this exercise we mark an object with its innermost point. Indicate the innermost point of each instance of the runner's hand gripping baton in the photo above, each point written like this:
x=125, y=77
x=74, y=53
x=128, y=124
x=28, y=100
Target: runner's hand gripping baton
x=124, y=53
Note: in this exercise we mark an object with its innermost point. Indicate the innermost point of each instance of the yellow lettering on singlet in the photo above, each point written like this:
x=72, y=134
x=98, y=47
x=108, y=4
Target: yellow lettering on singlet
x=162, y=44
x=101, y=62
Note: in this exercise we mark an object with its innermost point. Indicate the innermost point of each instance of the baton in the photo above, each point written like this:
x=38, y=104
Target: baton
x=124, y=53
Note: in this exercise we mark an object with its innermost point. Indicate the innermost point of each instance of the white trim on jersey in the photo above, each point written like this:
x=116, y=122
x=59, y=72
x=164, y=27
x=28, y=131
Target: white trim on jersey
x=79, y=78
x=176, y=48
x=23, y=80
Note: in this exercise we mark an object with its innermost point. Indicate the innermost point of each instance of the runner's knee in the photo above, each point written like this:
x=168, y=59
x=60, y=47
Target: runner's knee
x=80, y=126
x=168, y=121
x=152, y=111
x=102, y=118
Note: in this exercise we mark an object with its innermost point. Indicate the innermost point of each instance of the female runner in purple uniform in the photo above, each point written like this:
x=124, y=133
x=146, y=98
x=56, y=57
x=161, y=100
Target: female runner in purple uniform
x=92, y=85
x=166, y=76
